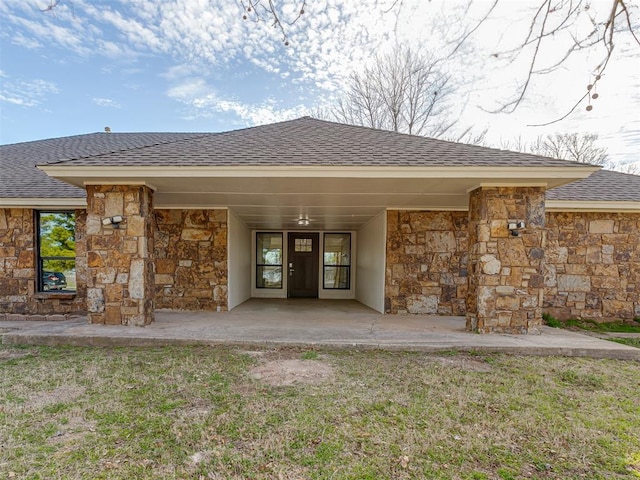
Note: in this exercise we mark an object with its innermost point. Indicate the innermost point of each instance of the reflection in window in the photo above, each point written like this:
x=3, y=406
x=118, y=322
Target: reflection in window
x=303, y=245
x=269, y=260
x=337, y=261
x=56, y=251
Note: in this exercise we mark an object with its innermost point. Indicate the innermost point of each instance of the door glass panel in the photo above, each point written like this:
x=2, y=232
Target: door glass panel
x=303, y=244
x=337, y=261
x=269, y=260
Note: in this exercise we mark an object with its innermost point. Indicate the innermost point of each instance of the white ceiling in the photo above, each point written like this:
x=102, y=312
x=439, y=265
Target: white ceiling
x=328, y=203
x=330, y=198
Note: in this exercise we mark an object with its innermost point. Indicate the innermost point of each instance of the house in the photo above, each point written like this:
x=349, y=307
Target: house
x=309, y=208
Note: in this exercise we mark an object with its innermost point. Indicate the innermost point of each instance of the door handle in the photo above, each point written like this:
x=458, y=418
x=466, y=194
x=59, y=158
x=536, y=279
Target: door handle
x=291, y=270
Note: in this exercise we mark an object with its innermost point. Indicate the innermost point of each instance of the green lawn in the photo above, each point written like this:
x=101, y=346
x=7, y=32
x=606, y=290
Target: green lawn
x=630, y=326
x=203, y=413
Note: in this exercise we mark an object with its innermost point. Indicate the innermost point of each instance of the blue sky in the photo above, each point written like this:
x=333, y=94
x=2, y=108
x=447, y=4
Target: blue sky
x=195, y=65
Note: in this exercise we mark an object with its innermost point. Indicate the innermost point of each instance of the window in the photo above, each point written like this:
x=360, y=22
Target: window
x=269, y=260
x=56, y=251
x=337, y=261
x=303, y=245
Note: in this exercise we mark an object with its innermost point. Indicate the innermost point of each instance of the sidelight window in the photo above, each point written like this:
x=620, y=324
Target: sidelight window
x=337, y=261
x=269, y=260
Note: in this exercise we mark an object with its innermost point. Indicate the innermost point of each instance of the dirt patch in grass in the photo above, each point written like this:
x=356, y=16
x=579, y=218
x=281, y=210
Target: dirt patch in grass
x=59, y=395
x=289, y=372
x=463, y=362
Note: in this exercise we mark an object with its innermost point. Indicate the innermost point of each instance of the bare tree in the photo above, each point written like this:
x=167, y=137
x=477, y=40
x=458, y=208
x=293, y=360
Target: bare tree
x=403, y=91
x=630, y=168
x=578, y=147
x=261, y=10
x=553, y=17
x=548, y=21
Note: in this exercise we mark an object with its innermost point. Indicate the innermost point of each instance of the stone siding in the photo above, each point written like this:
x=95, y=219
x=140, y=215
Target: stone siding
x=593, y=266
x=18, y=296
x=120, y=259
x=506, y=272
x=426, y=262
x=191, y=259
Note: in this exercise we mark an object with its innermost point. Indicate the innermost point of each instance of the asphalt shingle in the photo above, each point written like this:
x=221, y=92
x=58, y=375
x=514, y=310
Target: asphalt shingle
x=19, y=177
x=310, y=142
x=301, y=142
x=600, y=186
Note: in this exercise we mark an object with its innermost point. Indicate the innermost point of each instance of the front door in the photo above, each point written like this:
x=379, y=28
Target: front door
x=303, y=265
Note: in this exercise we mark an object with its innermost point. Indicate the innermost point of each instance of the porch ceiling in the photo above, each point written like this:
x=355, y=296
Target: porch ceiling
x=328, y=203
x=331, y=198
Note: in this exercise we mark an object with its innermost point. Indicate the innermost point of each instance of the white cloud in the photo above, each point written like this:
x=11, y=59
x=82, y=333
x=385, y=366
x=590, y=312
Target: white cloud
x=202, y=101
x=189, y=90
x=106, y=102
x=26, y=93
x=330, y=40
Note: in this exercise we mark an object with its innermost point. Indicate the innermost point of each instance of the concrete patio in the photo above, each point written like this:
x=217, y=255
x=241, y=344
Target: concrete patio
x=342, y=324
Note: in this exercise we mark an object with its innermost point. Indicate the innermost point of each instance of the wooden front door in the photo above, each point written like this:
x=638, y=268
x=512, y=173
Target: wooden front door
x=302, y=263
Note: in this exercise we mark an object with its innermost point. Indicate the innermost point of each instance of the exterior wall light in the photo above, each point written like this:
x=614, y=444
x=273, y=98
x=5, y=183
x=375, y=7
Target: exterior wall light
x=115, y=221
x=515, y=227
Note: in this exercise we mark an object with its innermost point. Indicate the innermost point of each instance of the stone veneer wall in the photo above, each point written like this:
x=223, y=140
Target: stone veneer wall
x=18, y=296
x=593, y=266
x=120, y=260
x=191, y=259
x=426, y=269
x=506, y=272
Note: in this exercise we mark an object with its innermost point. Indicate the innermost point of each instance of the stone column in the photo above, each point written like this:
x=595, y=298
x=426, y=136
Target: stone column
x=120, y=283
x=506, y=272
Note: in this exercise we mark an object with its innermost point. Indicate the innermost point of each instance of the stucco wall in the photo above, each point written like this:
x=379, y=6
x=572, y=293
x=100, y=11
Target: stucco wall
x=191, y=259
x=370, y=263
x=18, y=270
x=239, y=244
x=426, y=269
x=593, y=265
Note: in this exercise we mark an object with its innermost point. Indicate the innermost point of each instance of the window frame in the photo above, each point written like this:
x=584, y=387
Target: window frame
x=40, y=259
x=262, y=265
x=326, y=266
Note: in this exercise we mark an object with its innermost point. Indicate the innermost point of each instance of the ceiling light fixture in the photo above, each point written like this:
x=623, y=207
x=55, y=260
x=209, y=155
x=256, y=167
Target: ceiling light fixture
x=303, y=221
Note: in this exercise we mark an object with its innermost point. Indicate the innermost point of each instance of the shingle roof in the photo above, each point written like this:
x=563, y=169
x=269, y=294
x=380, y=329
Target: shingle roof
x=310, y=142
x=298, y=142
x=19, y=177
x=600, y=186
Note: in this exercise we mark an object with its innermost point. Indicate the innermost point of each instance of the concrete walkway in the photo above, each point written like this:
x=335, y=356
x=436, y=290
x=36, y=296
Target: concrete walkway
x=316, y=323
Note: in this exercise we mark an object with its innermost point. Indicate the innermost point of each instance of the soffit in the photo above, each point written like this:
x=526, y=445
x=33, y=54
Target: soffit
x=338, y=202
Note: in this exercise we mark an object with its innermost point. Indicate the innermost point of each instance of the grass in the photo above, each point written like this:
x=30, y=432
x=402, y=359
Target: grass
x=632, y=326
x=632, y=342
x=309, y=355
x=197, y=412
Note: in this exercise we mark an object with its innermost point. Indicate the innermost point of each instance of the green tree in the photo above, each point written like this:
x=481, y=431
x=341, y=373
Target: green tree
x=58, y=239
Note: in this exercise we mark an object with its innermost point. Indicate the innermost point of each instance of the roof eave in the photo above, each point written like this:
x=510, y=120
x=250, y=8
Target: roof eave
x=80, y=175
x=40, y=203
x=592, y=206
